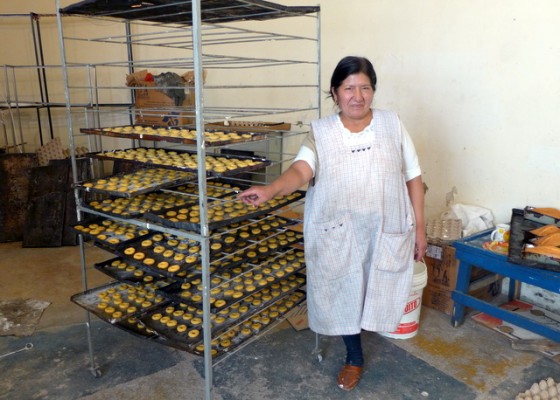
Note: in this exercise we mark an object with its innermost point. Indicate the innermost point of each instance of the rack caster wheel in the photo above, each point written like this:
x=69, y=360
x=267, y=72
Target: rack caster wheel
x=319, y=354
x=455, y=324
x=96, y=372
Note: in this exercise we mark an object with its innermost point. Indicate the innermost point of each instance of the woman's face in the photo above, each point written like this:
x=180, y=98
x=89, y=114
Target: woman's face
x=354, y=96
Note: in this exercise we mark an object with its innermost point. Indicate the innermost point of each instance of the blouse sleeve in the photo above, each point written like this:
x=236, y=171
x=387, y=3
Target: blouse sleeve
x=308, y=152
x=411, y=164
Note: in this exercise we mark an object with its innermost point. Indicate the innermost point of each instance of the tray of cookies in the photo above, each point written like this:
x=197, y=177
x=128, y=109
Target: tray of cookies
x=186, y=135
x=243, y=280
x=179, y=324
x=182, y=325
x=176, y=257
x=135, y=326
x=224, y=211
x=138, y=182
x=107, y=233
x=235, y=336
x=116, y=301
x=186, y=160
x=117, y=268
x=135, y=207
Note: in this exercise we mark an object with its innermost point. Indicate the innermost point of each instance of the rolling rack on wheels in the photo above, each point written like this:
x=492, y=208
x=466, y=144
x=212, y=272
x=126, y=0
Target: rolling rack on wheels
x=193, y=267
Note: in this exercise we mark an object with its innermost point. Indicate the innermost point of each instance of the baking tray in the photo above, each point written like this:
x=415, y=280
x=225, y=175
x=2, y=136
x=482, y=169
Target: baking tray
x=117, y=268
x=169, y=11
x=186, y=160
x=250, y=126
x=531, y=214
x=107, y=233
x=135, y=207
x=134, y=301
x=175, y=257
x=520, y=236
x=138, y=182
x=215, y=136
x=226, y=211
x=190, y=336
x=235, y=336
x=233, y=286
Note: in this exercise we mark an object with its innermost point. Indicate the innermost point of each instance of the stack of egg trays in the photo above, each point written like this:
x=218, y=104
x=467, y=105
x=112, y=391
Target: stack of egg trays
x=96, y=231
x=92, y=298
x=169, y=217
x=228, y=249
x=190, y=291
x=191, y=336
x=141, y=187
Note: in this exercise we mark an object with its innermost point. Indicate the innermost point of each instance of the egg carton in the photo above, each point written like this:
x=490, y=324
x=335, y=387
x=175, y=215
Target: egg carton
x=544, y=389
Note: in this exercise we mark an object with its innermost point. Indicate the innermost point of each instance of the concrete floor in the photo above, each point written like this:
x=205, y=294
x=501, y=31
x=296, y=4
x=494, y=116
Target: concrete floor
x=441, y=362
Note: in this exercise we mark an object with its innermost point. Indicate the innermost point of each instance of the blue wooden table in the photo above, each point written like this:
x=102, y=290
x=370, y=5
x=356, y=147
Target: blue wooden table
x=470, y=252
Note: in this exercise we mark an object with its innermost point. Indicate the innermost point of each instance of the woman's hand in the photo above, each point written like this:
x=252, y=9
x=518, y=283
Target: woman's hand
x=255, y=195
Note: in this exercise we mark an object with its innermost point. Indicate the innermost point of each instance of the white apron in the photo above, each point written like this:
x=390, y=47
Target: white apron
x=359, y=230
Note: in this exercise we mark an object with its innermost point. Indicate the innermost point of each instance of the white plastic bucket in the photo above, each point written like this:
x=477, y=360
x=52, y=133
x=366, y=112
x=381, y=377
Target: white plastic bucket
x=410, y=321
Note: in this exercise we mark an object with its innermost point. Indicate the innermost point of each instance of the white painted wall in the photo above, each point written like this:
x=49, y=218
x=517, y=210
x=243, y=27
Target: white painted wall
x=476, y=83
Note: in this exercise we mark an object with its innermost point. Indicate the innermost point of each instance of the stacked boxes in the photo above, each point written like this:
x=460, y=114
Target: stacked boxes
x=443, y=269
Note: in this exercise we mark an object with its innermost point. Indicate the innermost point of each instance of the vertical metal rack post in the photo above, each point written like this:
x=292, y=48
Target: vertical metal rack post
x=194, y=27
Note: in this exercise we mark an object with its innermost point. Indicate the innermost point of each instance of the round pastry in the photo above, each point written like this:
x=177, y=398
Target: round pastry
x=109, y=310
x=174, y=268
x=181, y=328
x=196, y=321
x=102, y=306
x=159, y=249
x=171, y=323
x=168, y=253
x=225, y=343
x=149, y=261
x=194, y=333
x=219, y=303
x=163, y=265
x=139, y=256
x=165, y=319
x=129, y=251
x=146, y=243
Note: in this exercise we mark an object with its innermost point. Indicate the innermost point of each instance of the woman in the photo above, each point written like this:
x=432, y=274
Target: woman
x=364, y=219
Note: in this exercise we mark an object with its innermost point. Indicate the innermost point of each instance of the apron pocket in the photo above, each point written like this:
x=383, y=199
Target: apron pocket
x=395, y=251
x=333, y=249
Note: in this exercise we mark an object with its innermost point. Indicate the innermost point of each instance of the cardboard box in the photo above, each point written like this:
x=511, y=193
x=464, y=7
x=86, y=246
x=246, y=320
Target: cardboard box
x=153, y=107
x=443, y=267
x=440, y=299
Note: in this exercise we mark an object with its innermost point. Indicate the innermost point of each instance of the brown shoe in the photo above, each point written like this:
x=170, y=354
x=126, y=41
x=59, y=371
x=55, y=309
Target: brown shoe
x=349, y=376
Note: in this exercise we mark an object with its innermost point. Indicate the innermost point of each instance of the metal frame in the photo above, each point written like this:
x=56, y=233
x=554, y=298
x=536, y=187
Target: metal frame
x=195, y=36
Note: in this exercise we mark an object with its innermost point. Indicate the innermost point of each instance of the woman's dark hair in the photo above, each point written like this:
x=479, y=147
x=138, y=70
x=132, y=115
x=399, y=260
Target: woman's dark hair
x=352, y=65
